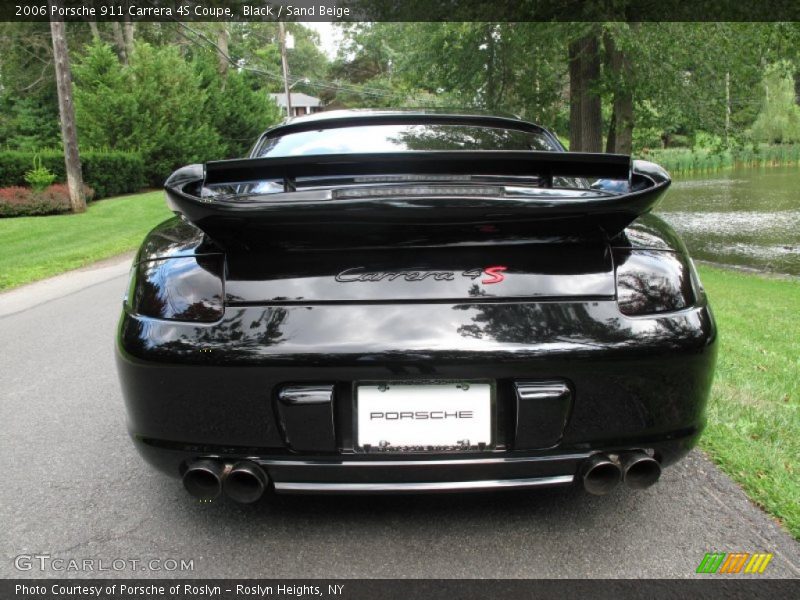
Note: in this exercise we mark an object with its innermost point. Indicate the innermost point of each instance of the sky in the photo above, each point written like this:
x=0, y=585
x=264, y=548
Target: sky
x=330, y=37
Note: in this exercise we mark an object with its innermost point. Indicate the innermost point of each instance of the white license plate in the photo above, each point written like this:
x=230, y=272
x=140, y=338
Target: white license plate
x=421, y=417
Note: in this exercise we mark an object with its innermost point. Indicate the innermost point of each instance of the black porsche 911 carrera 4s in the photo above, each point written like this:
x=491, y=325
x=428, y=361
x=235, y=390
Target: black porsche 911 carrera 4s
x=414, y=301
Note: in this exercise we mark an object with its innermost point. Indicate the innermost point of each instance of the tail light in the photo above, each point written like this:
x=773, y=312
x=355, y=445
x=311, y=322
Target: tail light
x=652, y=282
x=178, y=289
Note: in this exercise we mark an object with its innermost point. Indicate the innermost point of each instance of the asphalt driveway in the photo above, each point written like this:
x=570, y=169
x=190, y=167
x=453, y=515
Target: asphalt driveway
x=73, y=488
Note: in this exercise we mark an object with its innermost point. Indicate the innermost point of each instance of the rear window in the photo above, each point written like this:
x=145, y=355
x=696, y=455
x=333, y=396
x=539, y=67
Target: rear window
x=400, y=138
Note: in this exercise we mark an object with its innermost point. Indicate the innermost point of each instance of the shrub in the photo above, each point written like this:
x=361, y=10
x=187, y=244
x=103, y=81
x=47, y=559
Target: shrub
x=11, y=198
x=109, y=173
x=17, y=201
x=171, y=111
x=113, y=173
x=39, y=177
x=155, y=105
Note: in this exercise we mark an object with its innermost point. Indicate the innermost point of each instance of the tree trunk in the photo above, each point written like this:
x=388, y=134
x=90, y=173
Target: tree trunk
x=585, y=109
x=66, y=111
x=575, y=97
x=119, y=41
x=128, y=29
x=222, y=44
x=623, y=109
x=797, y=87
x=491, y=76
x=620, y=130
x=727, y=108
x=611, y=140
x=95, y=30
x=591, y=113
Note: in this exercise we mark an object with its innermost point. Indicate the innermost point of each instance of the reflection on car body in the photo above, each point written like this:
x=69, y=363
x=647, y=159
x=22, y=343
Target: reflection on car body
x=414, y=263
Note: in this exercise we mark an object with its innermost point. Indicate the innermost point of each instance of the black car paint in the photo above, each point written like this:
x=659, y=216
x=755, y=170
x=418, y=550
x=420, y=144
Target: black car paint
x=395, y=213
x=219, y=388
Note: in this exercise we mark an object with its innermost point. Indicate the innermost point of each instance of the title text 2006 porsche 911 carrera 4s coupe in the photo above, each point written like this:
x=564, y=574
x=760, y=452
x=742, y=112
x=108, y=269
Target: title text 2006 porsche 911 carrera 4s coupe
x=414, y=301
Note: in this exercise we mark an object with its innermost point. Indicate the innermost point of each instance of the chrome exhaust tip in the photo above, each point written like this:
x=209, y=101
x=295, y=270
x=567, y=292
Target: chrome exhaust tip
x=639, y=471
x=600, y=475
x=245, y=483
x=203, y=478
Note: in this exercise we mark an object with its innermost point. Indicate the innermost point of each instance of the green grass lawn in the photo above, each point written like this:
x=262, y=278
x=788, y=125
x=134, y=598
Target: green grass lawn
x=753, y=430
x=33, y=248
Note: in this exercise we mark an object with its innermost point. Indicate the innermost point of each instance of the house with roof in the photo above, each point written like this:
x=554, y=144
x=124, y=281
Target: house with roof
x=302, y=104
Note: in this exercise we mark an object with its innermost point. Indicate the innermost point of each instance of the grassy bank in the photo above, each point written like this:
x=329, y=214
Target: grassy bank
x=686, y=160
x=33, y=248
x=753, y=430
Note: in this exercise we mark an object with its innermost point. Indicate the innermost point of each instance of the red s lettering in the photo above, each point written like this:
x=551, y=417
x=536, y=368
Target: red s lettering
x=495, y=274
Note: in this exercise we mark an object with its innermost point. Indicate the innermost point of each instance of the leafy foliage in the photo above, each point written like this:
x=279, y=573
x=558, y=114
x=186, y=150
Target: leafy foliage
x=51, y=200
x=685, y=78
x=109, y=173
x=28, y=100
x=151, y=106
x=170, y=111
x=189, y=93
x=39, y=177
x=233, y=109
x=779, y=119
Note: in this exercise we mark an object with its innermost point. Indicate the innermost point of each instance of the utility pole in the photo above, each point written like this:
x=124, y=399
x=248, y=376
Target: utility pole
x=282, y=42
x=66, y=110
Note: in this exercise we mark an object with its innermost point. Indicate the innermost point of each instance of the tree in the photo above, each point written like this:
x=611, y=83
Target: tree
x=154, y=106
x=619, y=68
x=223, y=59
x=124, y=38
x=66, y=108
x=238, y=113
x=779, y=119
x=585, y=117
x=256, y=45
x=28, y=97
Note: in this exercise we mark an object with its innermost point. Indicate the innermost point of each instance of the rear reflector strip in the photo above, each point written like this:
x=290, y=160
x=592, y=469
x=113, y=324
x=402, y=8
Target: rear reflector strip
x=292, y=487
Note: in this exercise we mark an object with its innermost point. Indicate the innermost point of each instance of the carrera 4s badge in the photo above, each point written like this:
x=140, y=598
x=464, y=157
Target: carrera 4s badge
x=492, y=274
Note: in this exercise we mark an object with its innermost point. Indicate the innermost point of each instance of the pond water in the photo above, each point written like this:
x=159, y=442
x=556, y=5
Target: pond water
x=747, y=217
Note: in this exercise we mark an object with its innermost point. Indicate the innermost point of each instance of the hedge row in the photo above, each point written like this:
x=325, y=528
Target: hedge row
x=18, y=201
x=108, y=173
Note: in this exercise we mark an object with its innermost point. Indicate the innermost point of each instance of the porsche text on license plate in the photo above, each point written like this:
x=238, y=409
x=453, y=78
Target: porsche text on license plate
x=429, y=416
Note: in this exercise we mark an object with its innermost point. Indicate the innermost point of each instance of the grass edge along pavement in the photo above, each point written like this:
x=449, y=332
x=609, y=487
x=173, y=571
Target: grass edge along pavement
x=33, y=248
x=753, y=430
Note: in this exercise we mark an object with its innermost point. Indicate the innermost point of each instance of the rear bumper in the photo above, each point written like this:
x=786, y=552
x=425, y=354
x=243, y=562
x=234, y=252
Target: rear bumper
x=407, y=474
x=211, y=390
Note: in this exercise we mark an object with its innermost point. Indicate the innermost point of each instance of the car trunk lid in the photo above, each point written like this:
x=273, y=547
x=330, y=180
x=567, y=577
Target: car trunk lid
x=457, y=274
x=447, y=226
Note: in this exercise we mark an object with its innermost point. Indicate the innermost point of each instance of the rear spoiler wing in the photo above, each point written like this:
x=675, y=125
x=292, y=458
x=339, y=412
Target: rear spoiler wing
x=545, y=165
x=344, y=211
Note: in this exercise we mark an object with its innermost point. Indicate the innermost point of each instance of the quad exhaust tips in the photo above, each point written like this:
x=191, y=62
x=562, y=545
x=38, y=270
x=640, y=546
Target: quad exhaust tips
x=203, y=479
x=639, y=470
x=601, y=473
x=244, y=482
